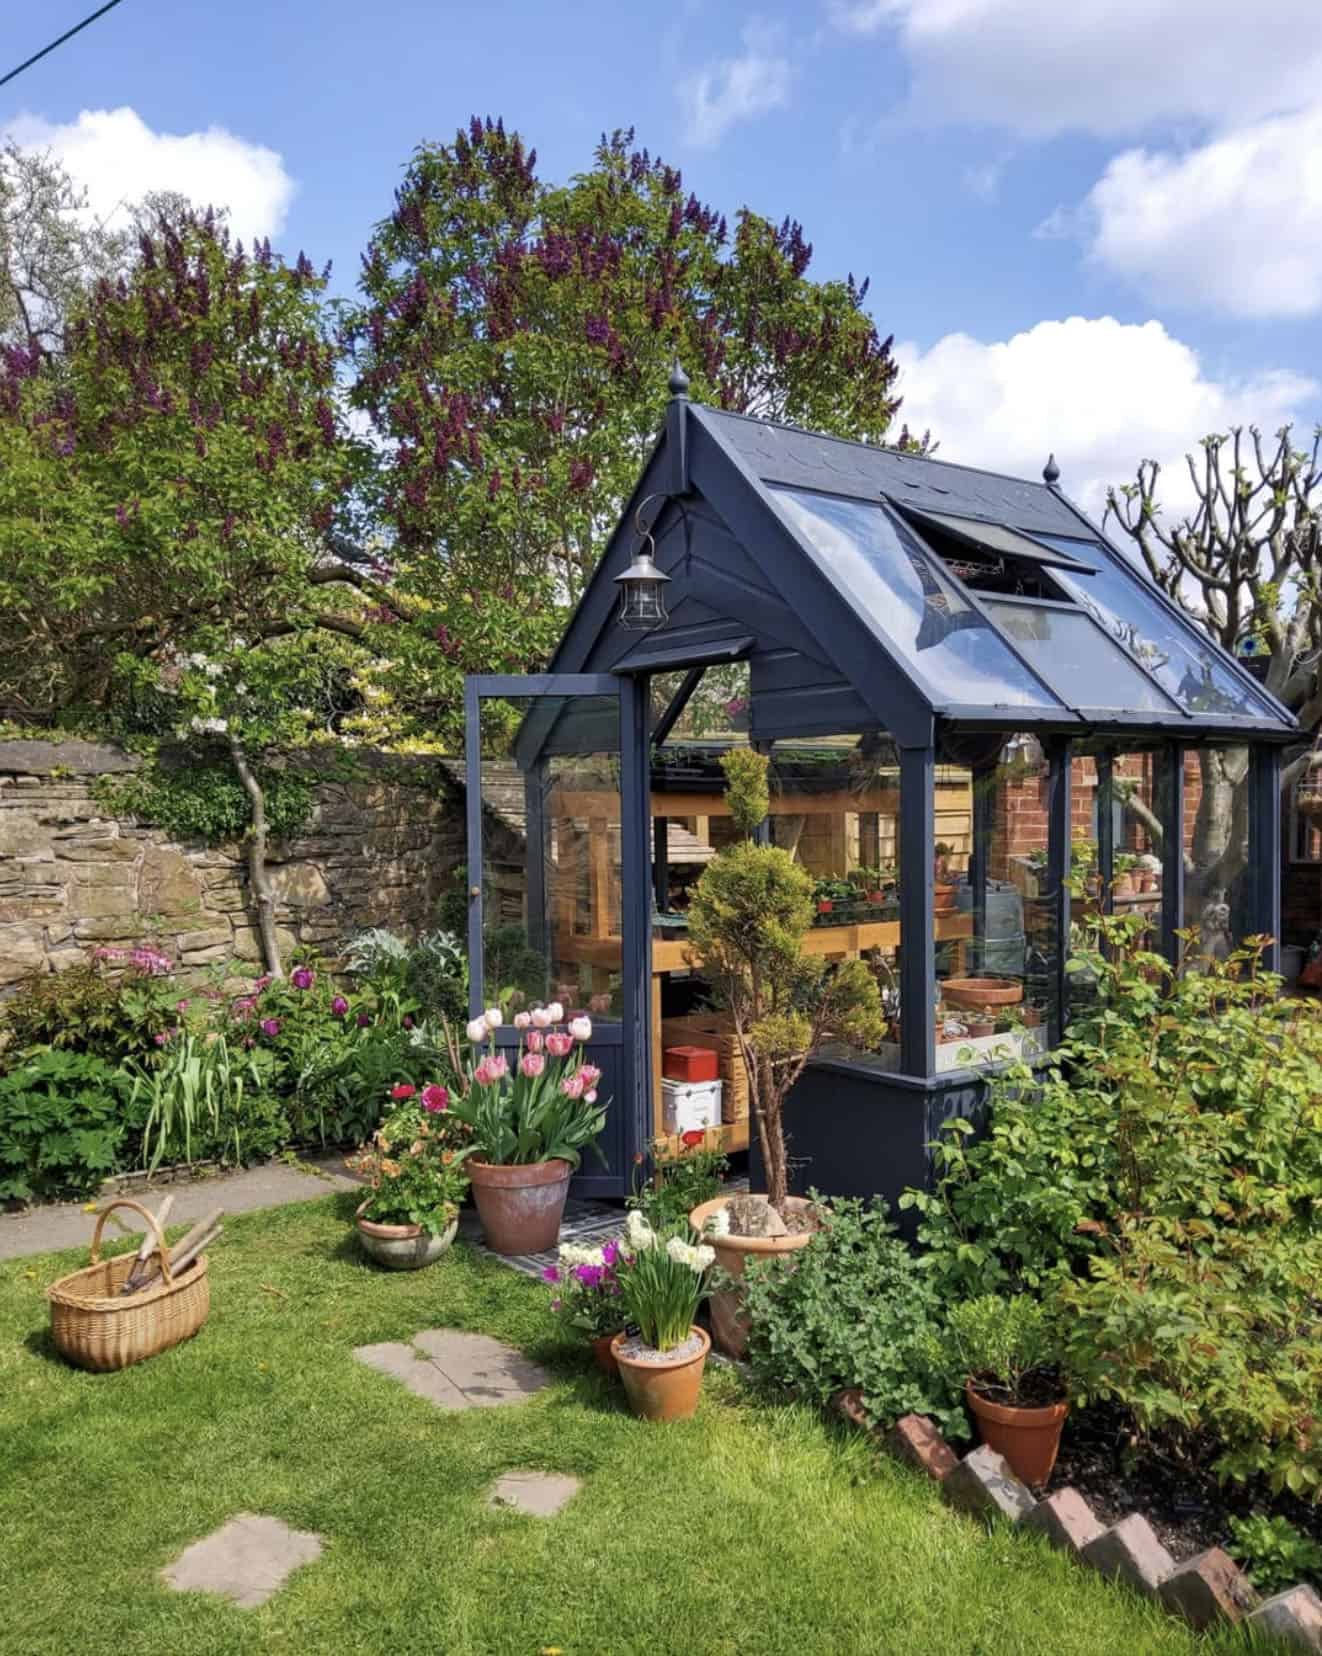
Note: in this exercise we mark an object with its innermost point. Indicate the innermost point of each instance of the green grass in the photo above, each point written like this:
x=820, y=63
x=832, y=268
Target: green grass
x=752, y=1529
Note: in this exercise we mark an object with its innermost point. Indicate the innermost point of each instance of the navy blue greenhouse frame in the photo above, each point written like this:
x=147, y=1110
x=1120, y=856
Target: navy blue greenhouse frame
x=746, y=583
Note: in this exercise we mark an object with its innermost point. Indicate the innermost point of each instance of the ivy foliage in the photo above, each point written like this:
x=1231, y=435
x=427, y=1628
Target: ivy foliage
x=207, y=801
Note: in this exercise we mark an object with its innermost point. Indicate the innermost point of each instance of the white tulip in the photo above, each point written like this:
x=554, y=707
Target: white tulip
x=581, y=1029
x=541, y=1017
x=492, y=1018
x=555, y=1011
x=477, y=1030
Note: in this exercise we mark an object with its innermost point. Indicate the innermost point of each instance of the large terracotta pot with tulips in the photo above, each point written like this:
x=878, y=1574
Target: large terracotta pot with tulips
x=532, y=1110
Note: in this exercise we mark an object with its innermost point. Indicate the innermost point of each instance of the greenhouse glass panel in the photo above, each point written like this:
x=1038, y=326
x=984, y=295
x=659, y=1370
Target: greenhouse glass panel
x=1082, y=664
x=1155, y=638
x=935, y=630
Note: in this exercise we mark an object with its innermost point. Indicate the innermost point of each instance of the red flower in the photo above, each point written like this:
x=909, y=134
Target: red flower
x=403, y=1090
x=694, y=1136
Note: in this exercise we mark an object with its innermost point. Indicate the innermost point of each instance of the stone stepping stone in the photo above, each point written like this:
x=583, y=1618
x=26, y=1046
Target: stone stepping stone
x=455, y=1370
x=246, y=1560
x=538, y=1494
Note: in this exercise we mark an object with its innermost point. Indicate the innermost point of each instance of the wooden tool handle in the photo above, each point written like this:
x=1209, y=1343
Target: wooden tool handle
x=156, y=1240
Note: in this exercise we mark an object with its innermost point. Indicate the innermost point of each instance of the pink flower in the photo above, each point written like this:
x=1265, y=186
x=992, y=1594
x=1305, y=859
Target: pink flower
x=435, y=1098
x=499, y=1066
x=271, y=1027
x=550, y=1273
x=522, y=1020
x=558, y=1044
x=534, y=1039
x=160, y=1039
x=532, y=1064
x=303, y=978
x=408, y=1021
x=493, y=1068
x=339, y=1006
x=182, y=1005
x=590, y=1097
x=572, y=1086
x=403, y=1090
x=261, y=983
x=540, y=1018
x=244, y=1005
x=590, y=1073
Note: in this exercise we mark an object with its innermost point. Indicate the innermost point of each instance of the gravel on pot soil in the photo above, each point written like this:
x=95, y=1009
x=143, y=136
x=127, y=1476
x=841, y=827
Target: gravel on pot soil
x=636, y=1349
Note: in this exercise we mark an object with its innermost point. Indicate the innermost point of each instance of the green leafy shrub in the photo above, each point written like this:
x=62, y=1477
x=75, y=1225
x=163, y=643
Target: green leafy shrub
x=92, y=1009
x=852, y=1308
x=682, y=1182
x=1274, y=1553
x=207, y=801
x=430, y=975
x=1161, y=1182
x=1008, y=1347
x=63, y=1124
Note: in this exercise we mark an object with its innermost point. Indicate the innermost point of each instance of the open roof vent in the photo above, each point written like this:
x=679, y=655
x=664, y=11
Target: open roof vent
x=991, y=558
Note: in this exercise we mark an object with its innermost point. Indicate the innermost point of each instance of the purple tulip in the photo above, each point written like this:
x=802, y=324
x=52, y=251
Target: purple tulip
x=303, y=978
x=339, y=1006
x=271, y=1027
x=363, y=1020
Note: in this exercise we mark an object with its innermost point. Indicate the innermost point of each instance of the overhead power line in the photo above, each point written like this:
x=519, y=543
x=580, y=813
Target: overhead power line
x=67, y=35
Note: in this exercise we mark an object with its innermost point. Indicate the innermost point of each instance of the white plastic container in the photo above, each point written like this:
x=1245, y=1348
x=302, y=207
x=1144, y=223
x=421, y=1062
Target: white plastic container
x=690, y=1106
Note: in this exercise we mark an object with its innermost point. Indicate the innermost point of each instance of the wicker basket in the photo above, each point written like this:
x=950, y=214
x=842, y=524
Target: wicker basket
x=712, y=1030
x=96, y=1329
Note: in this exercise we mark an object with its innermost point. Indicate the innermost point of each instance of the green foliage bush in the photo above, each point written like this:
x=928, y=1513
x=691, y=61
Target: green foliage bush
x=1007, y=1346
x=87, y=1009
x=681, y=1183
x=1161, y=1183
x=206, y=801
x=853, y=1308
x=207, y=1099
x=431, y=974
x=63, y=1121
x=1274, y=1553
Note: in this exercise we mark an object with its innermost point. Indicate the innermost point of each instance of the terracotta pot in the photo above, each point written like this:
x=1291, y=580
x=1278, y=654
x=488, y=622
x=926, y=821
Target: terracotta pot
x=981, y=1026
x=1032, y=1016
x=1028, y=1438
x=604, y=1356
x=728, y=1321
x=520, y=1206
x=1147, y=882
x=665, y=1390
x=979, y=992
x=1124, y=885
x=402, y=1247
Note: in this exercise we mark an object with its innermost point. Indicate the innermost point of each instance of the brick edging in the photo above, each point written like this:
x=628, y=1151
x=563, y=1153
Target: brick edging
x=1206, y=1590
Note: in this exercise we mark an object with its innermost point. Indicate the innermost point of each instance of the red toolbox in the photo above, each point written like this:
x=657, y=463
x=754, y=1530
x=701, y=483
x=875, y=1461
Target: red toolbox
x=690, y=1063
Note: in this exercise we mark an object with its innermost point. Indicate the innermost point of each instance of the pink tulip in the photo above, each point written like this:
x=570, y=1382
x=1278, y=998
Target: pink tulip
x=534, y=1039
x=590, y=1097
x=484, y=1074
x=522, y=1020
x=558, y=1044
x=572, y=1086
x=590, y=1073
x=532, y=1064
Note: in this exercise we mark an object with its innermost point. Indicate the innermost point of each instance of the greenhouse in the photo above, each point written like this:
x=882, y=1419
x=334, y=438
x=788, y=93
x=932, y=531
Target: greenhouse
x=983, y=723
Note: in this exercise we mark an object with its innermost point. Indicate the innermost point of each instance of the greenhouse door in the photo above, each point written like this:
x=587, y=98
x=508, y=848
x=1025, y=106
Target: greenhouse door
x=558, y=878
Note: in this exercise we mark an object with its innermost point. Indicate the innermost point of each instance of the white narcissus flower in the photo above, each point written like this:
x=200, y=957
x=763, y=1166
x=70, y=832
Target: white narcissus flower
x=492, y=1017
x=683, y=1253
x=639, y=1232
x=477, y=1030
x=581, y=1029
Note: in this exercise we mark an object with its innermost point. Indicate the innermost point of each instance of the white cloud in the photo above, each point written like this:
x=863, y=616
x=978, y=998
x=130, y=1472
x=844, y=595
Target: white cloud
x=117, y=158
x=1101, y=394
x=736, y=89
x=1235, y=225
x=1102, y=66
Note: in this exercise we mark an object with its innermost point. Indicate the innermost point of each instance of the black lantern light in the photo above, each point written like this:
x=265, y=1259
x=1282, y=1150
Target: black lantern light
x=642, y=586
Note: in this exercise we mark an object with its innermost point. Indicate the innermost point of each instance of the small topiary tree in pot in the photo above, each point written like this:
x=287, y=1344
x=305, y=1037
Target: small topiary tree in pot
x=746, y=923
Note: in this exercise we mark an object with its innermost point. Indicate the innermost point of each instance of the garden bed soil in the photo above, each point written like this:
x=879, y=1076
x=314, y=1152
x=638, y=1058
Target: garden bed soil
x=1185, y=1504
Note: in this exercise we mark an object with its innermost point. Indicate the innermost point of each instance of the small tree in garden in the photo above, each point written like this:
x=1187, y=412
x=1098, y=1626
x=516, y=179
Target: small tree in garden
x=747, y=920
x=515, y=338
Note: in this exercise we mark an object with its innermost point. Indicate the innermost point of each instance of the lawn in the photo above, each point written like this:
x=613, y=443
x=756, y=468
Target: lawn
x=751, y=1529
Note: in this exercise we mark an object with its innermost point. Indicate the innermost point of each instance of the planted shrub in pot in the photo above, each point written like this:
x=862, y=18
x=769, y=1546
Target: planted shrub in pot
x=415, y=1164
x=1007, y=1352
x=531, y=1116
x=747, y=920
x=662, y=1281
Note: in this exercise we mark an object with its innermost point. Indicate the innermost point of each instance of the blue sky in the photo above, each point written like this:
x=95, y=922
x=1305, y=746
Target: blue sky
x=1097, y=230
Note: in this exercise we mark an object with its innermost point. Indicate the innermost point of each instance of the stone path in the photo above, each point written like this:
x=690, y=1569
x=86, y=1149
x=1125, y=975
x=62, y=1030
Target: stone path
x=246, y=1560
x=455, y=1370
x=69, y=1224
x=537, y=1494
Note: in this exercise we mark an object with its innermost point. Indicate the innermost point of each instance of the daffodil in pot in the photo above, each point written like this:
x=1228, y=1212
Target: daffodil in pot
x=662, y=1282
x=532, y=1112
x=415, y=1167
x=747, y=921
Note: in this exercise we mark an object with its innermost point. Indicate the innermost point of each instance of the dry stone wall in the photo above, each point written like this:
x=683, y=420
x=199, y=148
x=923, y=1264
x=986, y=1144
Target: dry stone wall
x=375, y=852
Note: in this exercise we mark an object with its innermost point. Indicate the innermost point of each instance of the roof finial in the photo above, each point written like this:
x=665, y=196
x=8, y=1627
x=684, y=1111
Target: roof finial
x=1051, y=472
x=679, y=381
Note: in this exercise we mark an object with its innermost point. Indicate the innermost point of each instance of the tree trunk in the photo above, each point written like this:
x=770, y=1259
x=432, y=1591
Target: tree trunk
x=259, y=877
x=1220, y=850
